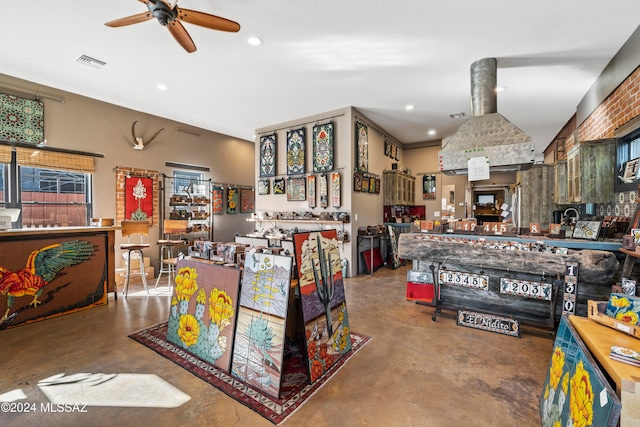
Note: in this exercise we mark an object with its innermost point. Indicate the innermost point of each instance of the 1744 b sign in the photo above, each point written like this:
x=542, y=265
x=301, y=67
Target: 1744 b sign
x=489, y=322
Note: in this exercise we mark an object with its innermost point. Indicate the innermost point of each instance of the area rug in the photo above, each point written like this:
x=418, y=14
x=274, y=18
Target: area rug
x=295, y=388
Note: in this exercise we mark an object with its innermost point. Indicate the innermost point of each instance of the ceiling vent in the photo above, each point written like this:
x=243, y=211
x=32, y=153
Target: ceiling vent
x=486, y=133
x=91, y=62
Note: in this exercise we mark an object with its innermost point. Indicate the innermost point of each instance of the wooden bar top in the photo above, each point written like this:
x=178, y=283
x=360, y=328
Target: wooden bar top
x=52, y=230
x=599, y=339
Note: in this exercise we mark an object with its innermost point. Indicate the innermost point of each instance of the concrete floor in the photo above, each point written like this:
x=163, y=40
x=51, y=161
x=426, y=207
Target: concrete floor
x=414, y=372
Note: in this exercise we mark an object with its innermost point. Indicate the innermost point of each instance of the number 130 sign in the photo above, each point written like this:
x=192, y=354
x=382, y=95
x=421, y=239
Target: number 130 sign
x=570, y=288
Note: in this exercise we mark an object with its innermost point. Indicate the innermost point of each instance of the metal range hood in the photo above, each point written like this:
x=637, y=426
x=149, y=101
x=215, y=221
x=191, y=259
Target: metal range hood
x=486, y=132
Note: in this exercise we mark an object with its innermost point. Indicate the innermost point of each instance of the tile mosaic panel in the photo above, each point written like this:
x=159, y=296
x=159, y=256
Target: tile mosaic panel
x=336, y=190
x=264, y=186
x=232, y=200
x=262, y=316
x=311, y=190
x=362, y=146
x=218, y=200
x=575, y=392
x=203, y=310
x=296, y=189
x=279, y=186
x=323, y=147
x=268, y=155
x=321, y=290
x=296, y=157
x=247, y=200
x=323, y=190
x=21, y=119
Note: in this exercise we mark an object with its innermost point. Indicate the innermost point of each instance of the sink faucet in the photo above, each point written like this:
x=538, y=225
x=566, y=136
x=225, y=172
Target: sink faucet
x=566, y=211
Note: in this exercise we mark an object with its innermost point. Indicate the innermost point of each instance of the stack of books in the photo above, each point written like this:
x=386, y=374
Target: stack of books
x=625, y=355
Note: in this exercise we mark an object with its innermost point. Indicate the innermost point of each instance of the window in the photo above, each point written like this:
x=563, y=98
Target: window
x=51, y=189
x=627, y=161
x=188, y=182
x=54, y=198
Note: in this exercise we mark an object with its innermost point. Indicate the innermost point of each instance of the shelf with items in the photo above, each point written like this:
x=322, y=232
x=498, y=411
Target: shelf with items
x=267, y=225
x=190, y=200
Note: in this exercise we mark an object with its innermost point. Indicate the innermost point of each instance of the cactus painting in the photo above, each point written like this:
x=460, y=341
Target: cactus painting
x=324, y=310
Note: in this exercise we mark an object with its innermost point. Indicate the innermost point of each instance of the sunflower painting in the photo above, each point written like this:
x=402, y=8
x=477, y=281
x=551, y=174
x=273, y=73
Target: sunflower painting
x=232, y=200
x=575, y=392
x=203, y=311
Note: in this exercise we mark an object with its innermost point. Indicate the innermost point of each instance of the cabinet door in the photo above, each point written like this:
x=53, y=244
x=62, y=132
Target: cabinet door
x=573, y=177
x=597, y=171
x=560, y=183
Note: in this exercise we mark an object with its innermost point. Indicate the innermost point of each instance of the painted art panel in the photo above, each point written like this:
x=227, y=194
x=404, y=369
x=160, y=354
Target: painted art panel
x=268, y=155
x=311, y=190
x=232, y=200
x=321, y=290
x=262, y=316
x=296, y=189
x=138, y=199
x=203, y=311
x=428, y=187
x=296, y=158
x=323, y=190
x=279, y=186
x=362, y=146
x=247, y=200
x=357, y=181
x=21, y=119
x=39, y=283
x=323, y=147
x=218, y=200
x=336, y=190
x=264, y=187
x=575, y=392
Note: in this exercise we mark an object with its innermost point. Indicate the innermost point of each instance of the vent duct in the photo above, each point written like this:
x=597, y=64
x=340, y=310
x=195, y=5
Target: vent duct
x=486, y=133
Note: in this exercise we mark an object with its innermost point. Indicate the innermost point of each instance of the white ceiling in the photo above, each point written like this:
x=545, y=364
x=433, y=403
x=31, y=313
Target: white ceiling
x=322, y=56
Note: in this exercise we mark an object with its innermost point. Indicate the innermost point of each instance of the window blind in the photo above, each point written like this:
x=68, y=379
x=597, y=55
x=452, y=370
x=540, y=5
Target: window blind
x=5, y=154
x=54, y=160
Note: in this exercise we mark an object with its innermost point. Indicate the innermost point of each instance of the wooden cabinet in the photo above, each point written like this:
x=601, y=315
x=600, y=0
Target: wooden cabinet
x=591, y=172
x=399, y=188
x=560, y=183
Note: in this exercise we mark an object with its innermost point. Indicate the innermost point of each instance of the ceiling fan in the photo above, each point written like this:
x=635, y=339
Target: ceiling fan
x=170, y=16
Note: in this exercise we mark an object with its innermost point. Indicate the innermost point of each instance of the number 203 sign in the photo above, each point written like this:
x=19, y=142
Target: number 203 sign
x=570, y=287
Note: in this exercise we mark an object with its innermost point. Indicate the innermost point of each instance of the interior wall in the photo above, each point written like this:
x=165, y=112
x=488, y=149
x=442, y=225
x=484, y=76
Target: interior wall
x=85, y=124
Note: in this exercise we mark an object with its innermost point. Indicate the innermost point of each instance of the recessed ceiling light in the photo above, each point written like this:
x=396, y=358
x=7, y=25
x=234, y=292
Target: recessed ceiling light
x=431, y=132
x=162, y=86
x=254, y=41
x=500, y=88
x=409, y=107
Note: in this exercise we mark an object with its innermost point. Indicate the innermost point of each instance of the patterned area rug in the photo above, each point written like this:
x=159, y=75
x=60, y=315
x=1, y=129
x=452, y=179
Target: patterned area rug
x=295, y=389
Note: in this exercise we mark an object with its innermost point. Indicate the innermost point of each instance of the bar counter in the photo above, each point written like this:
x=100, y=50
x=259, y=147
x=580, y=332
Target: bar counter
x=50, y=271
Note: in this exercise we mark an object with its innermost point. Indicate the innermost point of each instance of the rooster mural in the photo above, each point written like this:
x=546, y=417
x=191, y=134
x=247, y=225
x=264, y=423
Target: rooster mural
x=43, y=265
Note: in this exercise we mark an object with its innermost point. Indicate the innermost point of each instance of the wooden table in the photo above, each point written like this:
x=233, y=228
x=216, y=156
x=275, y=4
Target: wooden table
x=599, y=339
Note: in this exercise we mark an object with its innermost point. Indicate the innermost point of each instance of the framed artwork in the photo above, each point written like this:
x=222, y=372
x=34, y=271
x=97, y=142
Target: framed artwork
x=372, y=185
x=394, y=150
x=357, y=181
x=362, y=146
x=323, y=190
x=575, y=392
x=397, y=156
x=24, y=119
x=365, y=184
x=296, y=151
x=138, y=200
x=258, y=351
x=631, y=169
x=324, y=308
x=323, y=147
x=336, y=191
x=203, y=311
x=296, y=189
x=278, y=186
x=268, y=155
x=247, y=200
x=218, y=204
x=311, y=190
x=232, y=200
x=377, y=185
x=587, y=230
x=428, y=187
x=387, y=147
x=264, y=186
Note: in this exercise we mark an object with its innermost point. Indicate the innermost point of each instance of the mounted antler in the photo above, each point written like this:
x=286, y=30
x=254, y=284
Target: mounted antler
x=138, y=143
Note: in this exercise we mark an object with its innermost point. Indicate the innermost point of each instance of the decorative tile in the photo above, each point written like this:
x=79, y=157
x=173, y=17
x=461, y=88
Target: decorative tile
x=268, y=155
x=323, y=147
x=296, y=151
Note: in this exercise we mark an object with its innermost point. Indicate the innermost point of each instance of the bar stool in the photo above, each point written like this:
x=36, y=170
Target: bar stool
x=168, y=247
x=131, y=228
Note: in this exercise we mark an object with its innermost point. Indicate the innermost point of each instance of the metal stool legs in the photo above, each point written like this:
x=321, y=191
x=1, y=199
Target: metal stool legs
x=164, y=266
x=141, y=273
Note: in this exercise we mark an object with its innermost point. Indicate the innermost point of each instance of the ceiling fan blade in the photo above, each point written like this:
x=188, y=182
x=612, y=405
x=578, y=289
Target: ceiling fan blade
x=133, y=19
x=180, y=34
x=208, y=21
